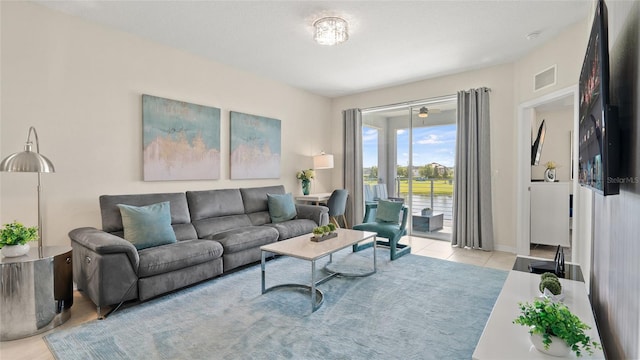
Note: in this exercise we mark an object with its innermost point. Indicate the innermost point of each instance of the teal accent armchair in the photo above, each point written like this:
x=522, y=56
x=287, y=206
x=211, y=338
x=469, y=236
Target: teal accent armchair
x=390, y=231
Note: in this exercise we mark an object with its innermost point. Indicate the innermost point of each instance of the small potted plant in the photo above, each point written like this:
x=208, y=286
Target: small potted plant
x=554, y=329
x=14, y=238
x=322, y=233
x=318, y=231
x=550, y=286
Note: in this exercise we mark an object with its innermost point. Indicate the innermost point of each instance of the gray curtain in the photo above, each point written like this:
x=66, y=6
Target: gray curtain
x=472, y=214
x=353, y=180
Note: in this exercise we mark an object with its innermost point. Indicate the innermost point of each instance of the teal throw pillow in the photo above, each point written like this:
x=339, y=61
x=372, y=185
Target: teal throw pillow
x=388, y=211
x=281, y=207
x=147, y=226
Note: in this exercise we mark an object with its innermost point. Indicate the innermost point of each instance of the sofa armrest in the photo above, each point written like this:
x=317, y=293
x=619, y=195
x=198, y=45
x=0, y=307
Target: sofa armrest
x=103, y=243
x=105, y=266
x=319, y=214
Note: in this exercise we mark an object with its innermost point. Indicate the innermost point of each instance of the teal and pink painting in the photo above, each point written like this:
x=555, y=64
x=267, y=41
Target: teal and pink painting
x=255, y=147
x=181, y=141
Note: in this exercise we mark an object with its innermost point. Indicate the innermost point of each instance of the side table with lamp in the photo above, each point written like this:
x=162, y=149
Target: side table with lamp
x=37, y=288
x=322, y=161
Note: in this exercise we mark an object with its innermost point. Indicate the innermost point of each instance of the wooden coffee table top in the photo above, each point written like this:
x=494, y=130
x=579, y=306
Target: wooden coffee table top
x=302, y=247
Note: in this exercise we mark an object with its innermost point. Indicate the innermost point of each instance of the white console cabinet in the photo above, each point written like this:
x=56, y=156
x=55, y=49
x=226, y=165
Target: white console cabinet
x=550, y=213
x=504, y=340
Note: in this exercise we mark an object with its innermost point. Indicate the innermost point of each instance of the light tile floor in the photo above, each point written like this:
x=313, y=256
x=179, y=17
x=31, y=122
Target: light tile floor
x=443, y=250
x=83, y=309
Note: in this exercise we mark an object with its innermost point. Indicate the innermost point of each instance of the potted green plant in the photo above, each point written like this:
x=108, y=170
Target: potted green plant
x=14, y=238
x=553, y=325
x=550, y=282
x=321, y=233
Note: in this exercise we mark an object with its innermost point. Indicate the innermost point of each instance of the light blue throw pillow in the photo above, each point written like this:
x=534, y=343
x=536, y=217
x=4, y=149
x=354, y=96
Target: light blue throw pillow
x=388, y=211
x=147, y=226
x=281, y=207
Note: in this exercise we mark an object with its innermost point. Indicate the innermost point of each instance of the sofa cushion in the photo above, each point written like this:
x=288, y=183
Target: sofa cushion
x=214, y=203
x=167, y=258
x=255, y=199
x=384, y=230
x=147, y=226
x=260, y=218
x=246, y=237
x=214, y=225
x=281, y=207
x=180, y=218
x=293, y=228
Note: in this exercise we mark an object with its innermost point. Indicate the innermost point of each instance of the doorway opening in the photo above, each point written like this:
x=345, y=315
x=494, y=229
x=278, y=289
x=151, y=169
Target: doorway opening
x=545, y=208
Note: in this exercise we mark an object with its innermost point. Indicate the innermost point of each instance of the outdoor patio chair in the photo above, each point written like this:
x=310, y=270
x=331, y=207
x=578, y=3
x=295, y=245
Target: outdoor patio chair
x=374, y=192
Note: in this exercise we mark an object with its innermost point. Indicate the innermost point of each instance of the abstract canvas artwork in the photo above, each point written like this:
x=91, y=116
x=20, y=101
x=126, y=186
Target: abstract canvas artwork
x=181, y=141
x=255, y=147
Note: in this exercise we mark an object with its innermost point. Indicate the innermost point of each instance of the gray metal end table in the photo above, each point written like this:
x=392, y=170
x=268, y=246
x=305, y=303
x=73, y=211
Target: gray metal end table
x=37, y=291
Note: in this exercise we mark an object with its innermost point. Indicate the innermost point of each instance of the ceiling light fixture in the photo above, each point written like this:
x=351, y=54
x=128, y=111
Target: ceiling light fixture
x=533, y=35
x=331, y=30
x=424, y=112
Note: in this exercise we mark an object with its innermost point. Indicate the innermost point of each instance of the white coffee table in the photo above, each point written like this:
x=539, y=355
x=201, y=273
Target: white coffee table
x=302, y=247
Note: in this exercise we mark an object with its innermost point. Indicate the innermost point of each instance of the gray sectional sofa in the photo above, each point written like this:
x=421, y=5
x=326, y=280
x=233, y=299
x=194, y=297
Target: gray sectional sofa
x=216, y=232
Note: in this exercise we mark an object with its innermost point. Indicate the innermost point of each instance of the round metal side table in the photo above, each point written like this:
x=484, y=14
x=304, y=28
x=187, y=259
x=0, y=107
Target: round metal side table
x=37, y=291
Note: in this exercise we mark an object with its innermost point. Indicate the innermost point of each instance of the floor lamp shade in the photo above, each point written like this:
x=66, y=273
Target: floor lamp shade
x=29, y=161
x=323, y=161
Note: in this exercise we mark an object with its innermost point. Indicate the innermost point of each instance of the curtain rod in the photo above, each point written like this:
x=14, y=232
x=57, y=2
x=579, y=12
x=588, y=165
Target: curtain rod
x=409, y=104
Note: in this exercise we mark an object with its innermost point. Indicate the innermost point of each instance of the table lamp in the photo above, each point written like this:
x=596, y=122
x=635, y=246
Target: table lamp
x=323, y=161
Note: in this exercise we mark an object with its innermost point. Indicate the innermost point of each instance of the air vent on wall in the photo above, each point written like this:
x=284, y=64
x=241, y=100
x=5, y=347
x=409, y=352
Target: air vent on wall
x=545, y=78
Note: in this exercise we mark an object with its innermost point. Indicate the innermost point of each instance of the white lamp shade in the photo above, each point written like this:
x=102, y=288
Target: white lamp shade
x=323, y=161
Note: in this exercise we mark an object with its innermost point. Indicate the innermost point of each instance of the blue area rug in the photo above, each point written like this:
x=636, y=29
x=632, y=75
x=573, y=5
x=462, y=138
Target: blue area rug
x=412, y=308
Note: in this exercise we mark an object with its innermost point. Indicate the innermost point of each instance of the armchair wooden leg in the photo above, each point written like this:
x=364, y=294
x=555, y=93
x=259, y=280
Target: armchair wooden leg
x=333, y=220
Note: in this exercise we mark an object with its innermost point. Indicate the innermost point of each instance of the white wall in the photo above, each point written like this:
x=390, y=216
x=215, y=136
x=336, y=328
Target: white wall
x=566, y=51
x=80, y=85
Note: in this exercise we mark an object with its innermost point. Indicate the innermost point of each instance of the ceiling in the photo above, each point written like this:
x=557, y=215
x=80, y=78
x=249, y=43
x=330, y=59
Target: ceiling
x=391, y=42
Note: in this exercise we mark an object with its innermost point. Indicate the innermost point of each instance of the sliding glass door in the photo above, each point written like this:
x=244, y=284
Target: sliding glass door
x=430, y=181
x=410, y=150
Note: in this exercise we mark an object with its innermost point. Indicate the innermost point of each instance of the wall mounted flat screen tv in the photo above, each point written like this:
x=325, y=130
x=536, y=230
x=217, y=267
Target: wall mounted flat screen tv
x=598, y=156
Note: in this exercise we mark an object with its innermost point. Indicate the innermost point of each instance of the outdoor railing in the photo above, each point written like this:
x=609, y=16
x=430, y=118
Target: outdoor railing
x=436, y=194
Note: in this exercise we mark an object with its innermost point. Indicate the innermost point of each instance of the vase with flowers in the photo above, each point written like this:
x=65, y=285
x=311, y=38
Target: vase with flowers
x=305, y=177
x=550, y=172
